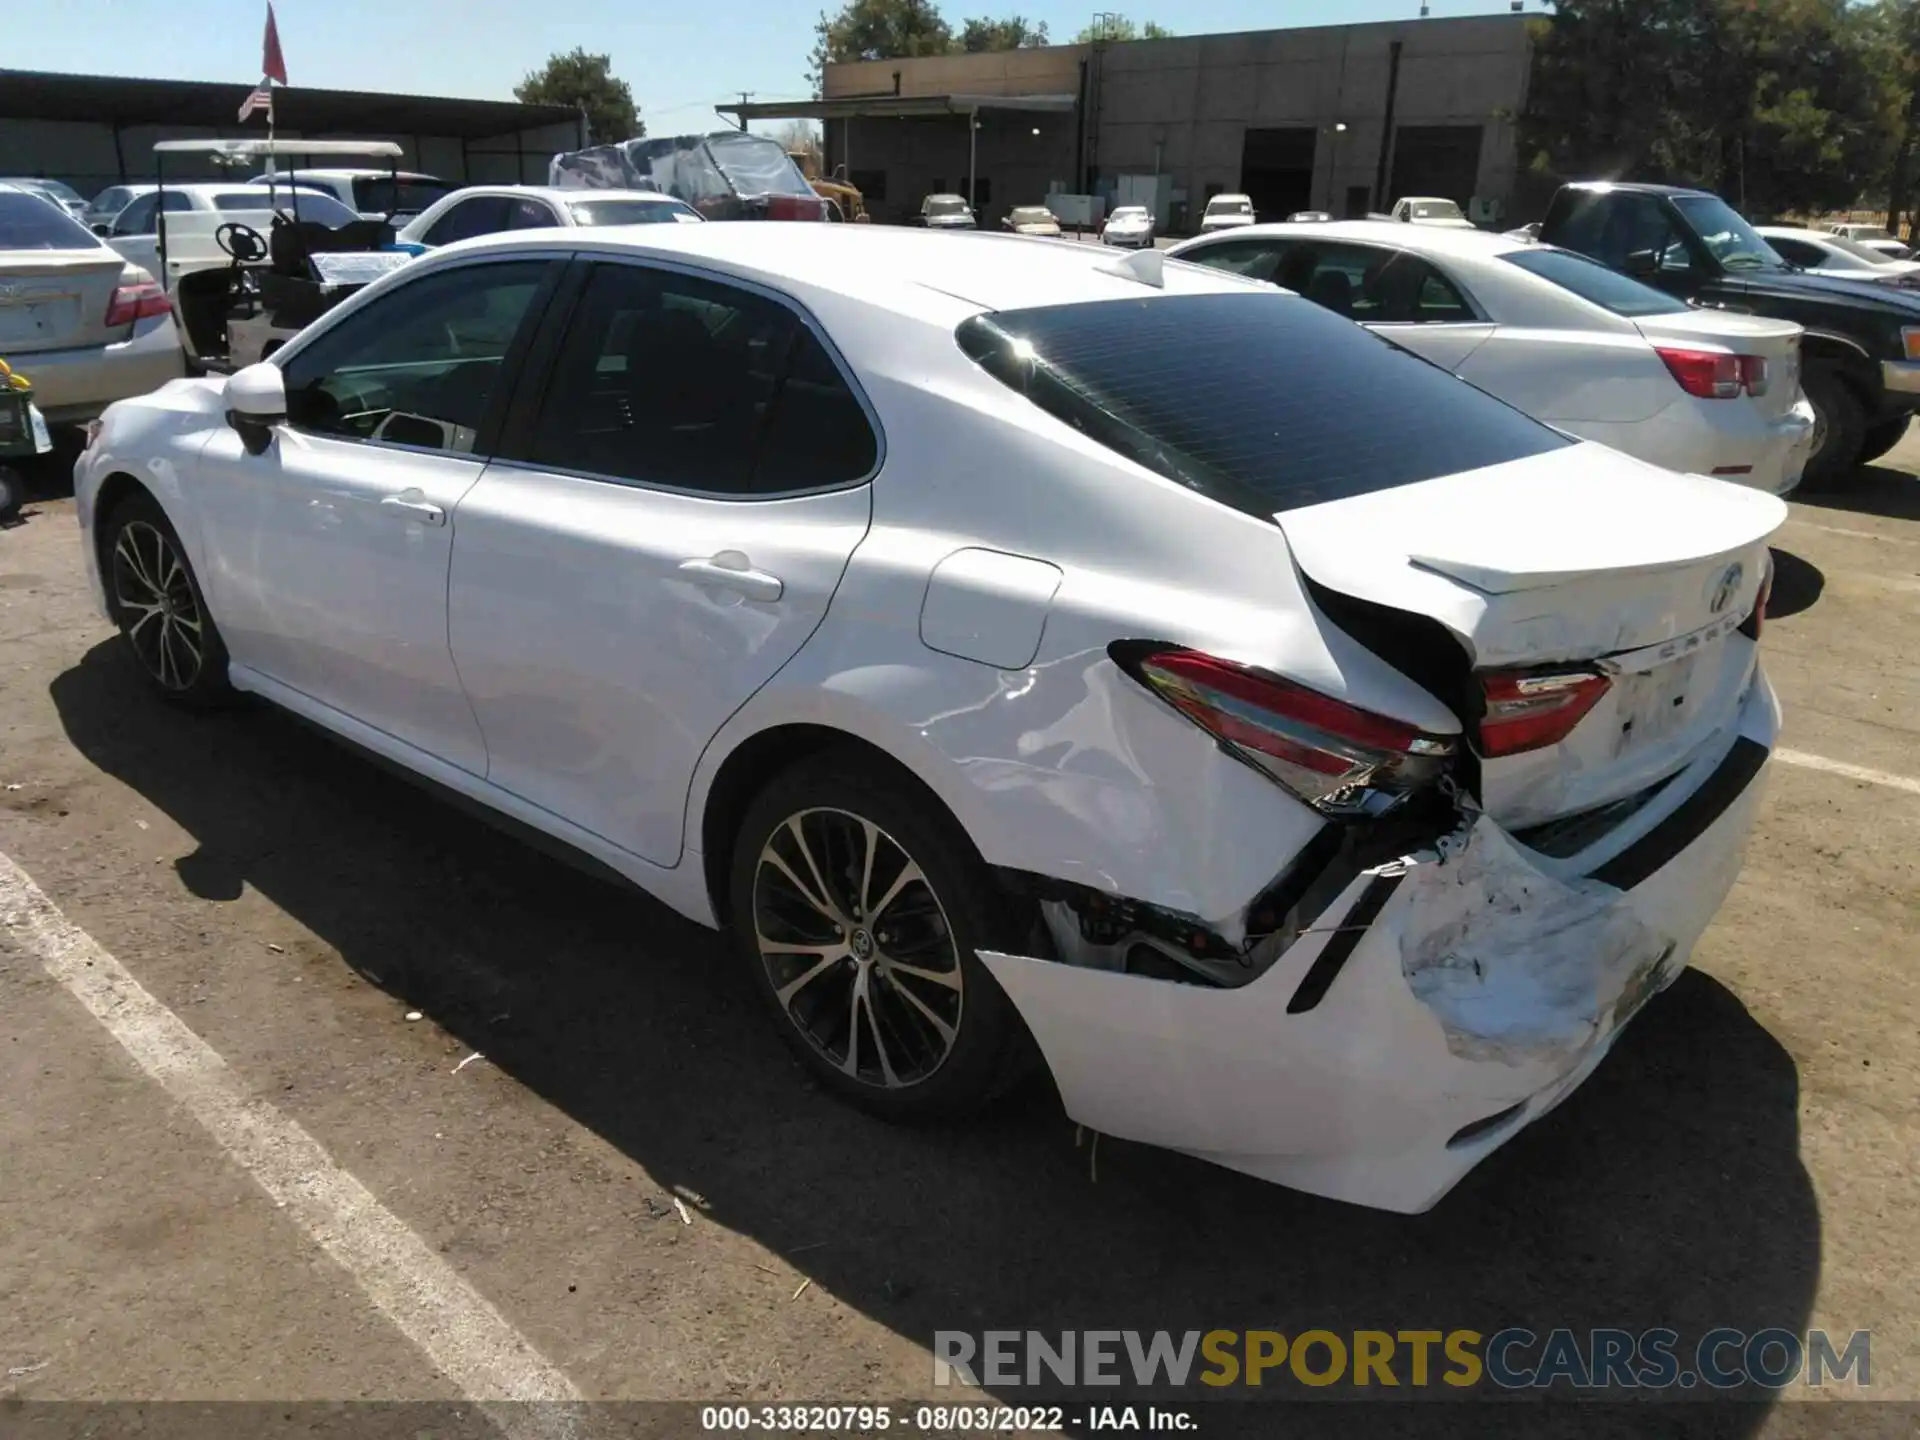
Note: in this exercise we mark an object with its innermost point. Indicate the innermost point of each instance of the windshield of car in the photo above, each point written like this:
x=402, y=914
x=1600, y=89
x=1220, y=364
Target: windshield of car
x=1437, y=210
x=1031, y=215
x=32, y=222
x=1595, y=283
x=312, y=205
x=1864, y=232
x=380, y=194
x=755, y=165
x=1130, y=212
x=946, y=205
x=1264, y=402
x=1238, y=205
x=630, y=212
x=1726, y=234
x=66, y=194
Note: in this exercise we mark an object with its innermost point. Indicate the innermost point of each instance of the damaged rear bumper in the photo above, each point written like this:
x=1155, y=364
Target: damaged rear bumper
x=1452, y=996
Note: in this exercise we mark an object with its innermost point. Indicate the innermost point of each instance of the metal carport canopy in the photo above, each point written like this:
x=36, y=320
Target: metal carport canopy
x=893, y=107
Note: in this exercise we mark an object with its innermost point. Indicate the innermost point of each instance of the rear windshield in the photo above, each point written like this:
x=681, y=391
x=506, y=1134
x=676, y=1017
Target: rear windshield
x=951, y=206
x=33, y=222
x=378, y=194
x=1032, y=215
x=1593, y=282
x=1229, y=207
x=1437, y=210
x=310, y=205
x=630, y=212
x=1259, y=400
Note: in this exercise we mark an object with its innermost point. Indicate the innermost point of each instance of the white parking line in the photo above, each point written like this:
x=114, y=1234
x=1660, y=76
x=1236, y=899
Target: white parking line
x=1852, y=772
x=452, y=1323
x=1855, y=534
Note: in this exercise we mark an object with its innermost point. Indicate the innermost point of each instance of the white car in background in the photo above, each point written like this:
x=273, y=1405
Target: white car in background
x=1875, y=237
x=1227, y=212
x=1319, y=759
x=60, y=193
x=1035, y=220
x=1836, y=255
x=1572, y=343
x=491, y=209
x=83, y=324
x=374, y=194
x=196, y=212
x=103, y=208
x=1130, y=226
x=1430, y=210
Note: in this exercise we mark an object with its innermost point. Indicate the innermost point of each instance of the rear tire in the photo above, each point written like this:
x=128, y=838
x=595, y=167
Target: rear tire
x=935, y=1040
x=1881, y=438
x=155, y=599
x=1840, y=428
x=13, y=493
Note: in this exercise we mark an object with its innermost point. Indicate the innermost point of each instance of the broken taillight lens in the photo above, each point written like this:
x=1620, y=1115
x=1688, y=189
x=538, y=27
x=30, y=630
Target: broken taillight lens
x=1337, y=757
x=1757, y=620
x=1529, y=711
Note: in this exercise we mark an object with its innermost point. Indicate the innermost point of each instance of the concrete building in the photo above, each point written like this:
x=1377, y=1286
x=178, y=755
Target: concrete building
x=1343, y=118
x=97, y=130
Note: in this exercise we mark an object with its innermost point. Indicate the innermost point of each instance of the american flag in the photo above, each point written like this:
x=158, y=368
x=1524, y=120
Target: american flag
x=260, y=99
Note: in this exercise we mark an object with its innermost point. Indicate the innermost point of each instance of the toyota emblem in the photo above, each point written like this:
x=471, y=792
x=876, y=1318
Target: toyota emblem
x=1726, y=587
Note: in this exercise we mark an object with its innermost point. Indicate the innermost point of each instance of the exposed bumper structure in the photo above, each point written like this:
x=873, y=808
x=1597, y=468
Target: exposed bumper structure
x=1488, y=982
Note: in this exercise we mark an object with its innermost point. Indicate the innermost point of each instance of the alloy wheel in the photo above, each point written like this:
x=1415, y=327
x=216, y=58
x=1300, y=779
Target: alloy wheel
x=158, y=610
x=857, y=947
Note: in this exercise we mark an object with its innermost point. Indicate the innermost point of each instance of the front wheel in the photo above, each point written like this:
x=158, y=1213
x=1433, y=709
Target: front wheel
x=858, y=907
x=13, y=492
x=156, y=601
x=1839, y=428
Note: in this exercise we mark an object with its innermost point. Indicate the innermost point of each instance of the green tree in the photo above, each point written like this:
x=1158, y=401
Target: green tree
x=1797, y=111
x=878, y=30
x=1119, y=27
x=585, y=82
x=1015, y=32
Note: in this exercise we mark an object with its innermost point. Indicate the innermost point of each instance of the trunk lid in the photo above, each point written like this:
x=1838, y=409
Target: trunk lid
x=1776, y=341
x=1574, y=558
x=54, y=300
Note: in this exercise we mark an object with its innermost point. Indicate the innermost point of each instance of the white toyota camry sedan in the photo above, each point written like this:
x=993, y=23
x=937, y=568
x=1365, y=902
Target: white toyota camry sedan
x=1582, y=347
x=1028, y=655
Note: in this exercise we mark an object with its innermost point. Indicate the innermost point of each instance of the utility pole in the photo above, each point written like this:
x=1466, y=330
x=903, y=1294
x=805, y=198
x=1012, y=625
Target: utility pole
x=745, y=96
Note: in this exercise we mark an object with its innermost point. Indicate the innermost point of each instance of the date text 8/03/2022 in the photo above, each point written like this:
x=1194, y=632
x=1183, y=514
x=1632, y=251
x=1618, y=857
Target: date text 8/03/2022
x=1514, y=1358
x=868, y=1420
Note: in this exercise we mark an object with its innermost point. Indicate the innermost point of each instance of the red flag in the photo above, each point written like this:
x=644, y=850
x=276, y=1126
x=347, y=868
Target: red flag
x=273, y=64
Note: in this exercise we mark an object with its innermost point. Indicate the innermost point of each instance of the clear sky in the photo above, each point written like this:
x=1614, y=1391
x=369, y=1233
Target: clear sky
x=679, y=57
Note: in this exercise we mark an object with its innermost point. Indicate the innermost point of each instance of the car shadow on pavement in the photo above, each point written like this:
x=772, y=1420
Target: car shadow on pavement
x=1666, y=1192
x=1797, y=584
x=1874, y=490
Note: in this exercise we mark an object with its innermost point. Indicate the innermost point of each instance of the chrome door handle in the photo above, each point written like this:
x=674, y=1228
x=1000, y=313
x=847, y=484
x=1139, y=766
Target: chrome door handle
x=731, y=570
x=421, y=512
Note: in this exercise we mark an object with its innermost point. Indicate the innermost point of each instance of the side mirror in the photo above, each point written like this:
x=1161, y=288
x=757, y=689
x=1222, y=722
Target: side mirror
x=256, y=402
x=1642, y=263
x=101, y=228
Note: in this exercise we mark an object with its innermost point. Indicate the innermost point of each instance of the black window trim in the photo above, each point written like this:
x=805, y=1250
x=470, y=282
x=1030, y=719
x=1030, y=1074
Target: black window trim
x=486, y=440
x=523, y=409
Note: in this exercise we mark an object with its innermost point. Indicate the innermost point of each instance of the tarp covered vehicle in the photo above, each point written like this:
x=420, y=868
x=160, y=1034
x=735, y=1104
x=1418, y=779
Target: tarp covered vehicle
x=728, y=175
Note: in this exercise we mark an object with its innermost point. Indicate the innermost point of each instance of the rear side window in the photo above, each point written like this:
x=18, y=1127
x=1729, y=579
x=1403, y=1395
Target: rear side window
x=482, y=215
x=1260, y=401
x=685, y=383
x=32, y=222
x=1595, y=283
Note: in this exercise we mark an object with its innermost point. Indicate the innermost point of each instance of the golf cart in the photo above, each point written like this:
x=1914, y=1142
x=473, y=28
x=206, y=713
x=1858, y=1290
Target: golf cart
x=246, y=280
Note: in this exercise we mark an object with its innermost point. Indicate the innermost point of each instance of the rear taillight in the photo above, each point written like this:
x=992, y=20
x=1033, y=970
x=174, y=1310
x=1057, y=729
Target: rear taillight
x=1337, y=757
x=136, y=302
x=1528, y=711
x=1756, y=622
x=1712, y=375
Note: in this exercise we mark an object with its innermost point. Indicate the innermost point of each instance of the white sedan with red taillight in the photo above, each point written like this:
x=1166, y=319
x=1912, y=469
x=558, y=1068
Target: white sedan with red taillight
x=84, y=325
x=1584, y=348
x=1028, y=655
